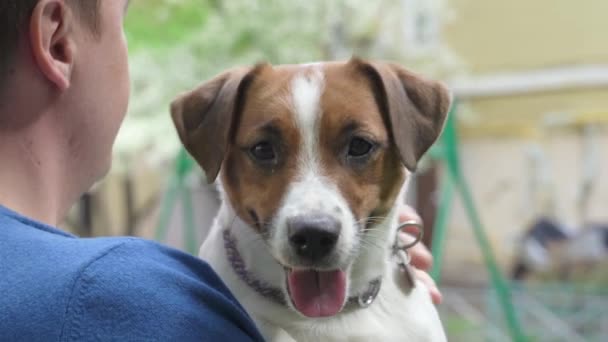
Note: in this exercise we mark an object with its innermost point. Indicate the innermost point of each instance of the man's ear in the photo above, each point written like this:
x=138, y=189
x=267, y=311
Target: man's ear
x=51, y=40
x=206, y=116
x=416, y=107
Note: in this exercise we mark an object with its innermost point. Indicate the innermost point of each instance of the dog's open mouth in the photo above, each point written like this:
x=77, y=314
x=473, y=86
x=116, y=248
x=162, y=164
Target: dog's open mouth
x=317, y=293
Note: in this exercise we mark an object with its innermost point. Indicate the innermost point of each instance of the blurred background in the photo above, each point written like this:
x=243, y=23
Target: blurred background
x=514, y=196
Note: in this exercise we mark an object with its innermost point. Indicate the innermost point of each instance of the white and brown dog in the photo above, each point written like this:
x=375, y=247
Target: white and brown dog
x=312, y=160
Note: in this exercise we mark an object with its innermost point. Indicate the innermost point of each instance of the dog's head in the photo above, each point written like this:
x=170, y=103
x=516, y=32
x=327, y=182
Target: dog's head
x=312, y=157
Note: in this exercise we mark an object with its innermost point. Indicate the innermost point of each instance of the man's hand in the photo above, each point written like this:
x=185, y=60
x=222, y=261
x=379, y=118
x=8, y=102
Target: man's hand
x=422, y=259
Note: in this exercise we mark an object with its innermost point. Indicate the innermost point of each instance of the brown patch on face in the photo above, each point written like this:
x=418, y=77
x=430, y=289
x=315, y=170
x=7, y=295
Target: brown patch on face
x=350, y=111
x=255, y=190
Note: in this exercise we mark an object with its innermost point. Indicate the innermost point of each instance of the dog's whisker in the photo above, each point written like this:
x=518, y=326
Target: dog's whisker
x=369, y=243
x=371, y=238
x=374, y=229
x=375, y=244
x=370, y=221
x=378, y=234
x=373, y=218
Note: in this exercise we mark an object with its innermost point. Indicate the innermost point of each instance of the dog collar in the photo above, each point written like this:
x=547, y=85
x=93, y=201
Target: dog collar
x=275, y=294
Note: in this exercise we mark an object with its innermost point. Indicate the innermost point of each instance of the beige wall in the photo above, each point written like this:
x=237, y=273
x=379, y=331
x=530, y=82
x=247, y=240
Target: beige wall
x=525, y=116
x=497, y=35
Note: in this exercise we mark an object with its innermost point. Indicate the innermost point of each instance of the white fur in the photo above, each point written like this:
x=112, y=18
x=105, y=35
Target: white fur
x=306, y=89
x=394, y=316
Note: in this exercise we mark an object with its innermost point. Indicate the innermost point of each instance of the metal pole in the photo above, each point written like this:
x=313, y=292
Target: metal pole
x=449, y=146
x=440, y=228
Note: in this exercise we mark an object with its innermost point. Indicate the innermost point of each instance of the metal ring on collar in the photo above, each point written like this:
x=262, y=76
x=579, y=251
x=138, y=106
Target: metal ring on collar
x=418, y=236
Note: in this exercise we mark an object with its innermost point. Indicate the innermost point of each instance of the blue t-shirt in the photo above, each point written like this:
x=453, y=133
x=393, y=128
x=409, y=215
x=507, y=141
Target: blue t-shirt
x=57, y=287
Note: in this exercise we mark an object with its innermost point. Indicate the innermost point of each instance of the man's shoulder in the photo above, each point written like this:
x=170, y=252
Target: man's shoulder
x=146, y=263
x=158, y=292
x=65, y=288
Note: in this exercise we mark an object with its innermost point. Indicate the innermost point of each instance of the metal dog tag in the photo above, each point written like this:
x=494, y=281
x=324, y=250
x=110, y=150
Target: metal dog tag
x=407, y=281
x=367, y=298
x=404, y=272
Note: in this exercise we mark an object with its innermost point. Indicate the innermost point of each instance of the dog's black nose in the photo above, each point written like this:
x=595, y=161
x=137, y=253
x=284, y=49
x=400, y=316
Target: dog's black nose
x=313, y=236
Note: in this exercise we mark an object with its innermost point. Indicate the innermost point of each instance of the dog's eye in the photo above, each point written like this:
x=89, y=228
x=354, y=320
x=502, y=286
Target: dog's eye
x=263, y=152
x=359, y=147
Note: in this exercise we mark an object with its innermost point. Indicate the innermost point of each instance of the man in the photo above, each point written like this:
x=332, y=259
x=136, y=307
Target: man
x=64, y=88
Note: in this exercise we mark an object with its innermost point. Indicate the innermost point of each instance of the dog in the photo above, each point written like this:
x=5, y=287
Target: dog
x=312, y=161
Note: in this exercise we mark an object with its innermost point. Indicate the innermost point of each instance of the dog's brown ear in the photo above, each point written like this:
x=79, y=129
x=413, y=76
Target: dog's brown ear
x=416, y=107
x=204, y=117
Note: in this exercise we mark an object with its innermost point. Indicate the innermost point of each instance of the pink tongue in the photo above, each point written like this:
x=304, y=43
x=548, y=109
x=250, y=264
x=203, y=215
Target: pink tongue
x=317, y=294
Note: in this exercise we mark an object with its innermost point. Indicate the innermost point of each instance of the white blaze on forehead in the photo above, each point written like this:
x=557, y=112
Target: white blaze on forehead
x=307, y=88
x=312, y=192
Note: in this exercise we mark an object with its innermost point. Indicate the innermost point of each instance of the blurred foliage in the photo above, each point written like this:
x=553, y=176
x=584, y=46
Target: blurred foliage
x=177, y=44
x=160, y=24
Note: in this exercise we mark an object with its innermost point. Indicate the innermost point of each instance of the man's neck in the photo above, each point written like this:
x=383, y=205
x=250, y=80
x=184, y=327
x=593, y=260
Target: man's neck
x=32, y=174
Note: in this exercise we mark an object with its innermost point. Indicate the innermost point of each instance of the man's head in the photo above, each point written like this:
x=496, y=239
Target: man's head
x=64, y=81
